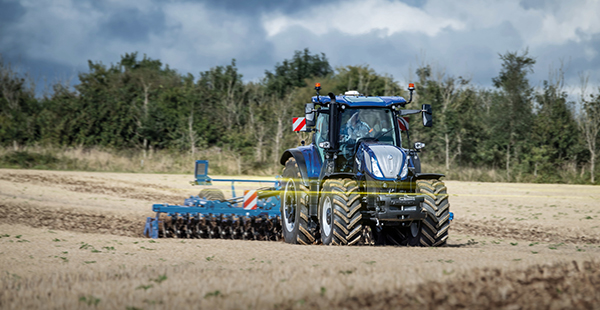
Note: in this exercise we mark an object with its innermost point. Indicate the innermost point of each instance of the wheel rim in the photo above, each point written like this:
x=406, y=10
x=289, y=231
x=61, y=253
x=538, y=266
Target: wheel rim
x=326, y=216
x=289, y=205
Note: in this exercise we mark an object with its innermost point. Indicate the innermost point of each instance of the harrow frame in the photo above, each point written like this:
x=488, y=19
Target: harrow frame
x=196, y=212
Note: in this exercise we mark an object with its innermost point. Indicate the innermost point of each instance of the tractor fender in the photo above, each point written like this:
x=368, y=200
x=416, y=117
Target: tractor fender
x=308, y=160
x=297, y=154
x=428, y=176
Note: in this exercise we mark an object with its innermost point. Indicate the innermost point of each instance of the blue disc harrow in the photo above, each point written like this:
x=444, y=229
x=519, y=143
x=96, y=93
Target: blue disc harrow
x=253, y=216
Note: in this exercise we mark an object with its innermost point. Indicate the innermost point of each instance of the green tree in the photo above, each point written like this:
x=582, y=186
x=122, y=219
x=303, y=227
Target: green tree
x=116, y=102
x=18, y=107
x=146, y=78
x=283, y=98
x=366, y=81
x=513, y=113
x=292, y=73
x=452, y=100
x=223, y=100
x=554, y=133
x=57, y=116
x=589, y=123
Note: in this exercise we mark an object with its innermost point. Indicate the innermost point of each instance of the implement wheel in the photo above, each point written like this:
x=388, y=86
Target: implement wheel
x=294, y=206
x=434, y=228
x=212, y=194
x=339, y=216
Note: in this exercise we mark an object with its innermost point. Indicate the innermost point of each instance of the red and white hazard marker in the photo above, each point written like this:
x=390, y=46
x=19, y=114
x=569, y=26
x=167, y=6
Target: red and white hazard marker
x=250, y=199
x=299, y=124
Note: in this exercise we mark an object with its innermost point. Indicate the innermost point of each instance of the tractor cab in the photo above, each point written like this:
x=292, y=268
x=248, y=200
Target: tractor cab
x=356, y=122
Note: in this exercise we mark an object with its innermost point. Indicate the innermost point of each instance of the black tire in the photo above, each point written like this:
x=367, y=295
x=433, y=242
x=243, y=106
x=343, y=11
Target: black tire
x=339, y=216
x=294, y=206
x=212, y=194
x=434, y=228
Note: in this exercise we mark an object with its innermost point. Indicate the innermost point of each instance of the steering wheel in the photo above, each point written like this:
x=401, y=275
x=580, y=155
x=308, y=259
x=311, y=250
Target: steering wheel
x=381, y=134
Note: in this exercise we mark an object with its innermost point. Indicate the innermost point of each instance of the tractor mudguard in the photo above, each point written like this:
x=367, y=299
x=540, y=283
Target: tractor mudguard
x=308, y=160
x=428, y=176
x=297, y=154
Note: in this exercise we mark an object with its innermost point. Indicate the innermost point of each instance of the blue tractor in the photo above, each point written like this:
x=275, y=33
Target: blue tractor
x=357, y=183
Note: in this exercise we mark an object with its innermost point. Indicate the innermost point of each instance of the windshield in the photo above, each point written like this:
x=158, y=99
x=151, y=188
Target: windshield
x=355, y=124
x=366, y=123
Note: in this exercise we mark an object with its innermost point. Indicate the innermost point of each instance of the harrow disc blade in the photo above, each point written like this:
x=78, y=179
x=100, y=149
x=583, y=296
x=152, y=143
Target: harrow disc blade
x=221, y=227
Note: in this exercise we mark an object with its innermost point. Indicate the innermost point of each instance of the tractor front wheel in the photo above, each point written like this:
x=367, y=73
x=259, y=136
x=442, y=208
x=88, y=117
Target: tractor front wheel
x=339, y=216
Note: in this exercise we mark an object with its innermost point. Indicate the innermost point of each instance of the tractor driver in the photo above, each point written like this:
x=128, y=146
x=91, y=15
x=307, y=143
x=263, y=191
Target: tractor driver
x=355, y=129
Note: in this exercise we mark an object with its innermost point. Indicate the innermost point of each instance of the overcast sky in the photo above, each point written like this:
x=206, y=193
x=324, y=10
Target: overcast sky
x=54, y=39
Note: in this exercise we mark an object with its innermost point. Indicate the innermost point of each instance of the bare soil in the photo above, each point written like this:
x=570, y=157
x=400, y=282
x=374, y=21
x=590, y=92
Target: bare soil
x=74, y=240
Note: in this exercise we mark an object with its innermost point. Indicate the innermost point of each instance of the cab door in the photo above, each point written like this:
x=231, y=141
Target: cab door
x=321, y=134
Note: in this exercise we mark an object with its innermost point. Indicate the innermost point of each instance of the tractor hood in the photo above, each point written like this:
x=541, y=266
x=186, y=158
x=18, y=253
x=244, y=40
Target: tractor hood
x=385, y=161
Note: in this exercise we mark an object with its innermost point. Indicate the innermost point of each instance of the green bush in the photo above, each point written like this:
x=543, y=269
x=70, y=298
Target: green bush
x=29, y=160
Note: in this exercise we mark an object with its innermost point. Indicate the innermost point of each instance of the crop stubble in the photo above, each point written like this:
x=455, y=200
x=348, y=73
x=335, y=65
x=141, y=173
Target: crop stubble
x=502, y=252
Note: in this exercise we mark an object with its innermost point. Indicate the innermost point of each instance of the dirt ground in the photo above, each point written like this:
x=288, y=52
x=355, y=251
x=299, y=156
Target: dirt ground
x=73, y=240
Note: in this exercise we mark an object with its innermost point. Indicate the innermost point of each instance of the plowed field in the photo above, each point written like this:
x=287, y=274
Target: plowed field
x=73, y=240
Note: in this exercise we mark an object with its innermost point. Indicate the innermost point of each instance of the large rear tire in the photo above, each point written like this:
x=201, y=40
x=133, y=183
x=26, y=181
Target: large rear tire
x=434, y=228
x=339, y=213
x=294, y=206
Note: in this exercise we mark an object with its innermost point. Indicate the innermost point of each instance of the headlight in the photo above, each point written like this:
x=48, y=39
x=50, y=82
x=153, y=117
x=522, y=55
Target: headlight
x=375, y=168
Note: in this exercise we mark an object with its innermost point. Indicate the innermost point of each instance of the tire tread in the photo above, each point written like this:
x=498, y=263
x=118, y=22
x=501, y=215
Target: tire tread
x=346, y=200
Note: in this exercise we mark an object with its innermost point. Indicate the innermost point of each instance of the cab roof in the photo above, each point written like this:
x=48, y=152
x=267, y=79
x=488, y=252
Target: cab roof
x=363, y=101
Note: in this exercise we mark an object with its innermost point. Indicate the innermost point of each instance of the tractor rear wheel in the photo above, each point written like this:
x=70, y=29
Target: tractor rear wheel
x=339, y=216
x=434, y=228
x=294, y=206
x=212, y=194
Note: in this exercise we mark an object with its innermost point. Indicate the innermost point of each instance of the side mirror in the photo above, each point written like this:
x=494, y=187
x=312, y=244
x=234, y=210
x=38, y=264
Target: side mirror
x=310, y=114
x=427, y=115
x=419, y=145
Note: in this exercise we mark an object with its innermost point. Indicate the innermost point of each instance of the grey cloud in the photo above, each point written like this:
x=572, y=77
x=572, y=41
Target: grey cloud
x=10, y=11
x=133, y=25
x=466, y=53
x=574, y=58
x=245, y=7
x=533, y=4
x=193, y=36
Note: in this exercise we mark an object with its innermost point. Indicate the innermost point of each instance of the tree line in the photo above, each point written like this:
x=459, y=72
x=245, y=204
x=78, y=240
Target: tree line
x=529, y=133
